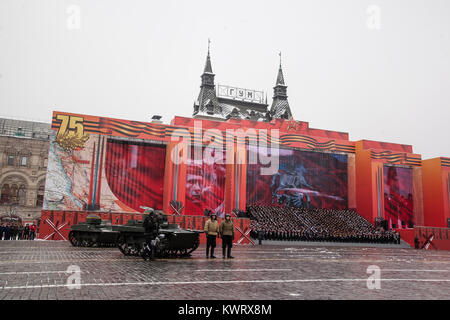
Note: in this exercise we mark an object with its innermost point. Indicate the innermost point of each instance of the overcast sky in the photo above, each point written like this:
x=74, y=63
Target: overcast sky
x=379, y=70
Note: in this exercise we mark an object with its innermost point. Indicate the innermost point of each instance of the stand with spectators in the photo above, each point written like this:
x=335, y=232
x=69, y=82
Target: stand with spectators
x=300, y=224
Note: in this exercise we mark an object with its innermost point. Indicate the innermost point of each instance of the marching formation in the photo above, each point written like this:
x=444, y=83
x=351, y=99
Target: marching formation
x=294, y=224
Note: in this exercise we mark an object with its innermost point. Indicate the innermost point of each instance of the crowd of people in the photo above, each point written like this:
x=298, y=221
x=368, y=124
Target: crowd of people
x=294, y=224
x=17, y=232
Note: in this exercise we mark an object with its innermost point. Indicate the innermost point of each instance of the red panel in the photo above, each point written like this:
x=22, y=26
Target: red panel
x=55, y=225
x=398, y=196
x=81, y=217
x=205, y=181
x=440, y=242
x=44, y=228
x=369, y=180
x=441, y=237
x=135, y=173
x=407, y=235
x=282, y=125
x=105, y=216
x=126, y=217
x=368, y=144
x=60, y=226
x=434, y=193
x=116, y=218
x=71, y=218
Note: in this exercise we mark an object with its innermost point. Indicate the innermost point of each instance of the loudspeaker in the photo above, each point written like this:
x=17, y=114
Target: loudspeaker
x=448, y=223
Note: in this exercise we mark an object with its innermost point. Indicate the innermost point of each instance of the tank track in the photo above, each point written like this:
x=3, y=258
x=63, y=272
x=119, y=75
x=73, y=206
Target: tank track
x=85, y=239
x=135, y=247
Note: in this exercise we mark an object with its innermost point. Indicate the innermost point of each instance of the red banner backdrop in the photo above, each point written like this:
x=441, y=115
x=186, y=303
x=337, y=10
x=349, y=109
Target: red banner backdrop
x=398, y=196
x=205, y=181
x=135, y=173
x=55, y=225
x=441, y=237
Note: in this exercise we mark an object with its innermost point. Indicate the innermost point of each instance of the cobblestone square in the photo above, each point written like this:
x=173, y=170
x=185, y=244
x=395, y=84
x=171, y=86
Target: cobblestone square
x=38, y=270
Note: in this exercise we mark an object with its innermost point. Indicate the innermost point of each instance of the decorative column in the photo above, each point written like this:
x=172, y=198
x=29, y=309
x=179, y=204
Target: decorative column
x=436, y=191
x=369, y=184
x=175, y=176
x=236, y=177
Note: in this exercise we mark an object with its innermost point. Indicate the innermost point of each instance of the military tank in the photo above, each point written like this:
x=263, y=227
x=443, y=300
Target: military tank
x=170, y=240
x=94, y=231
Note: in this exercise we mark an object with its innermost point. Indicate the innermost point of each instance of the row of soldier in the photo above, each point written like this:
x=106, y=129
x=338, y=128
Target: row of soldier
x=285, y=223
x=387, y=237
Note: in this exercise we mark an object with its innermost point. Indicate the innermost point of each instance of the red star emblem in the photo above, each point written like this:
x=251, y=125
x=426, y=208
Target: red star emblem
x=292, y=124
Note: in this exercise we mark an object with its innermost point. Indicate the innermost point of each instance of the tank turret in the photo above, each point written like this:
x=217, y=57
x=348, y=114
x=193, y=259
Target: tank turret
x=93, y=232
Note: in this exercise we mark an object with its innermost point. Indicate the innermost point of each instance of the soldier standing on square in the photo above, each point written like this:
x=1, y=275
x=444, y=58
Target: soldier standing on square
x=211, y=230
x=226, y=230
x=151, y=227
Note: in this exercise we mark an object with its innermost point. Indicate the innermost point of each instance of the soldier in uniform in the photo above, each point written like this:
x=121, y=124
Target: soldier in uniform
x=212, y=231
x=226, y=230
x=260, y=236
x=162, y=219
x=151, y=226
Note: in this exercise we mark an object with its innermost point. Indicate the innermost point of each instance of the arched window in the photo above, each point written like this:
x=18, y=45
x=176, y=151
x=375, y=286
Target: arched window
x=40, y=195
x=4, y=198
x=21, y=195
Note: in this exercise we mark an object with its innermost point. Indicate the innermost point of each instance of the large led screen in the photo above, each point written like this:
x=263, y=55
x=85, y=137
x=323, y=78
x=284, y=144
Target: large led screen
x=205, y=181
x=398, y=196
x=303, y=179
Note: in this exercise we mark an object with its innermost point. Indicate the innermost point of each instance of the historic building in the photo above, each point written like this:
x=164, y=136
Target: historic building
x=23, y=166
x=227, y=102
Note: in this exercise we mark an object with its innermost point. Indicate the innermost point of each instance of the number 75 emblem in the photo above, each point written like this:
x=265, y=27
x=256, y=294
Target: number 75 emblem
x=71, y=135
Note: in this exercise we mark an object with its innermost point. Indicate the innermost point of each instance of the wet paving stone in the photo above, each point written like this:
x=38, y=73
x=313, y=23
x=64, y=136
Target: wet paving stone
x=37, y=270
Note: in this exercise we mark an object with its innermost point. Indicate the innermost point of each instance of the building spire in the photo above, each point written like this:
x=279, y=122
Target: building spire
x=280, y=105
x=280, y=77
x=208, y=67
x=207, y=99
